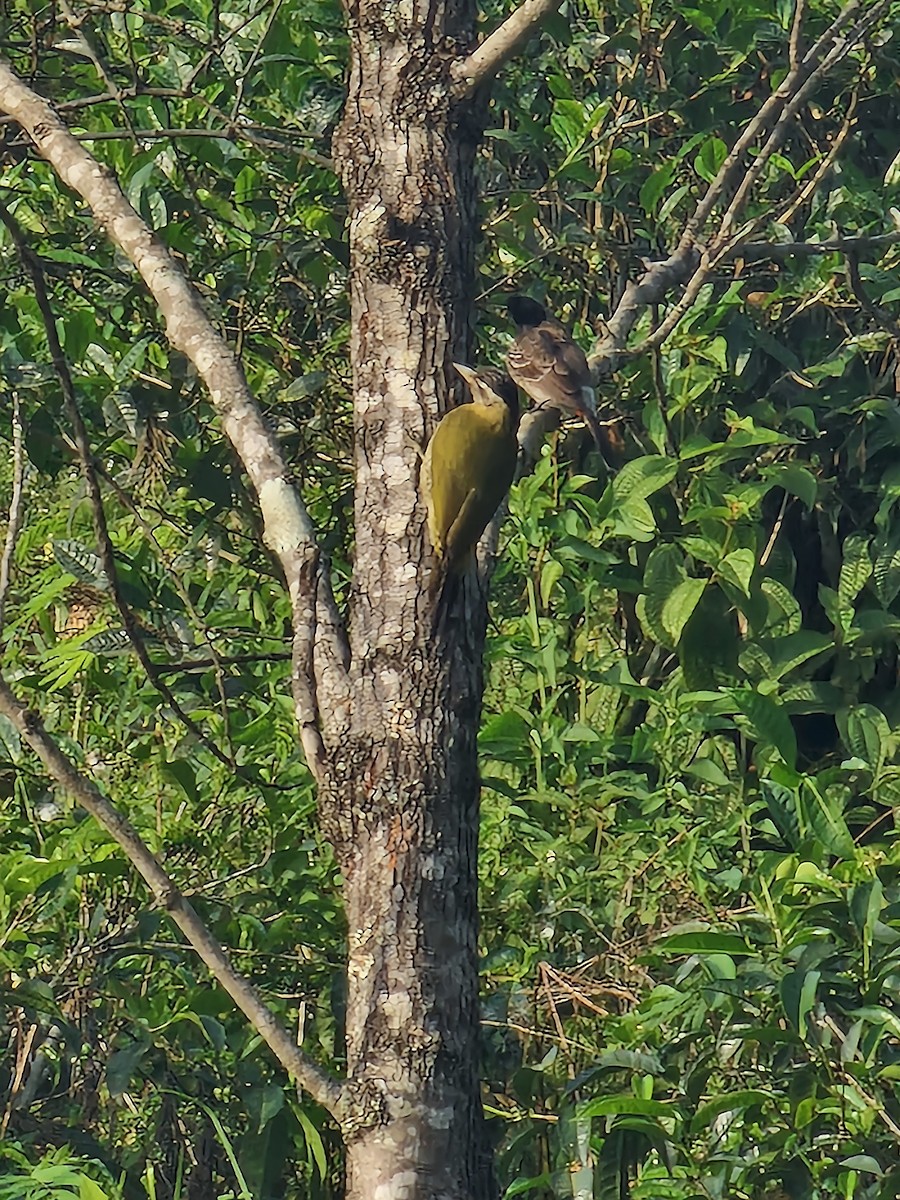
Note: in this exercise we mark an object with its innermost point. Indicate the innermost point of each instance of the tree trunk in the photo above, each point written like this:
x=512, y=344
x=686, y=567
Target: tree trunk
x=400, y=799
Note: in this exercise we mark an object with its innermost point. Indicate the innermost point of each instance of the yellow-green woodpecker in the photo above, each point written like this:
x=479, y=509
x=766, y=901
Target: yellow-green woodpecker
x=468, y=467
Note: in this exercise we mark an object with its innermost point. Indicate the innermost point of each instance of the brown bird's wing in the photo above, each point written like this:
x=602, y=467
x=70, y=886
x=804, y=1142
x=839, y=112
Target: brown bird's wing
x=546, y=363
x=550, y=368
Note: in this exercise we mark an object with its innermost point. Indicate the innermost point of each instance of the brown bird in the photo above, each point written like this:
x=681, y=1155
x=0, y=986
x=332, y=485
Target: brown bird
x=549, y=367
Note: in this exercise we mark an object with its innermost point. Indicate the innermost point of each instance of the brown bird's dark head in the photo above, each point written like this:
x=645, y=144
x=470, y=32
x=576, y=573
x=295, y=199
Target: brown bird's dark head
x=526, y=312
x=489, y=385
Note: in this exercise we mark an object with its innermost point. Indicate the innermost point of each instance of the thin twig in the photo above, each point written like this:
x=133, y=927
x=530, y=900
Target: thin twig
x=776, y=529
x=16, y=503
x=778, y=251
x=796, y=28
x=251, y=62
x=231, y=134
x=810, y=185
x=89, y=50
x=32, y=265
x=774, y=120
x=326, y=1090
x=684, y=263
x=779, y=133
x=204, y=664
x=880, y=315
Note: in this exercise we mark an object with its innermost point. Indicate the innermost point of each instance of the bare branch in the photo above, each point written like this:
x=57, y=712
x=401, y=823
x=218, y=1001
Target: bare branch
x=731, y=170
x=796, y=27
x=810, y=186
x=878, y=314
x=321, y=1086
x=500, y=46
x=233, y=133
x=288, y=529
x=778, y=251
x=686, y=264
x=90, y=51
x=14, y=518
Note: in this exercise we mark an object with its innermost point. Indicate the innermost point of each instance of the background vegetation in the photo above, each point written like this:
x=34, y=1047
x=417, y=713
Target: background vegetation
x=691, y=907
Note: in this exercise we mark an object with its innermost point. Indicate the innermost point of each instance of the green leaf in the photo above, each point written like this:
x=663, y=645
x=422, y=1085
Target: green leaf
x=679, y=605
x=737, y=568
x=784, y=615
x=798, y=995
x=710, y=158
x=642, y=477
x=569, y=122
x=612, y=1106
x=824, y=817
x=797, y=481
x=702, y=942
x=80, y=562
x=732, y=1102
x=789, y=652
x=663, y=573
x=865, y=732
x=551, y=573
x=655, y=184
x=856, y=567
x=863, y=1162
x=121, y=1066
x=769, y=722
x=89, y=1190
x=886, y=569
x=314, y=1143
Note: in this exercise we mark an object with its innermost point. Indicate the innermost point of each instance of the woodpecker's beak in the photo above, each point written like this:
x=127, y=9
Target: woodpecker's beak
x=469, y=374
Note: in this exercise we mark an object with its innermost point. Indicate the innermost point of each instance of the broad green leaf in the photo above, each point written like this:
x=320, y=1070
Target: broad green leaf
x=89, y=1190
x=856, y=567
x=769, y=721
x=612, y=1106
x=865, y=731
x=711, y=157
x=797, y=481
x=794, y=649
x=642, y=477
x=824, y=816
x=75, y=558
x=732, y=1102
x=737, y=567
x=314, y=1142
x=886, y=568
x=704, y=943
x=679, y=605
x=551, y=573
x=784, y=614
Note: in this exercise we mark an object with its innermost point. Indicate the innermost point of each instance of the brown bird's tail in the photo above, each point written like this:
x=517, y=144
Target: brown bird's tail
x=599, y=435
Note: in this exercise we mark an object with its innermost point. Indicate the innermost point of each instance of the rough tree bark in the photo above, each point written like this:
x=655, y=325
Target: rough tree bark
x=400, y=791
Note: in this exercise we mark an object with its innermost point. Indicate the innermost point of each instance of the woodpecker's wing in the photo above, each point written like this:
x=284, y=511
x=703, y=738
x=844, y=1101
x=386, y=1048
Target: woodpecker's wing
x=470, y=461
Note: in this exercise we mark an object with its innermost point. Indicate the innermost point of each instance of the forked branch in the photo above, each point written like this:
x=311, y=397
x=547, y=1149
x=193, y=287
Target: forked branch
x=288, y=529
